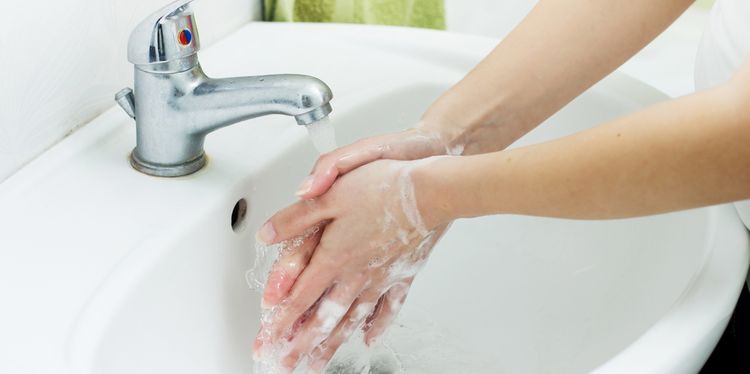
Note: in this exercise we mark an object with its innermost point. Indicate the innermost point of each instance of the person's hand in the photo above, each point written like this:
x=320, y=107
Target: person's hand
x=412, y=144
x=377, y=235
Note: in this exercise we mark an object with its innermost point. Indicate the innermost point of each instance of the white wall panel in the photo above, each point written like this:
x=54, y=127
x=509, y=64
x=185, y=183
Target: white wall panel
x=486, y=17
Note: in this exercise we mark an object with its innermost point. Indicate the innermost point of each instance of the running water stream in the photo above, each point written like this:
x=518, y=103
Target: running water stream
x=323, y=135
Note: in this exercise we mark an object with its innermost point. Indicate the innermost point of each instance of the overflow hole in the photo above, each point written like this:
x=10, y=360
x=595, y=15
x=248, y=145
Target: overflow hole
x=238, y=214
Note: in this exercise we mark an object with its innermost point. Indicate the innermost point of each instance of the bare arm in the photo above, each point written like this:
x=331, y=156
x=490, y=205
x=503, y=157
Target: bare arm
x=560, y=49
x=689, y=152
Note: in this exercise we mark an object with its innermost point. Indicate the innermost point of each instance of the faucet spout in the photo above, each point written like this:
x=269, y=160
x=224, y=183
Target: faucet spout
x=315, y=115
x=215, y=103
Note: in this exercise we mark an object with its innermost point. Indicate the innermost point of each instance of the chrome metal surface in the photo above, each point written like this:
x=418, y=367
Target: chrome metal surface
x=176, y=105
x=126, y=100
x=155, y=44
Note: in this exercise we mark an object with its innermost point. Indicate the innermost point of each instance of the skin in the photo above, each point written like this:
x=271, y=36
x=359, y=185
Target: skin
x=680, y=154
x=350, y=268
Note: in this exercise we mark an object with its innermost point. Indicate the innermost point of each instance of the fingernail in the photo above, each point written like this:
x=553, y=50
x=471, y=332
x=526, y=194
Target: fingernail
x=267, y=234
x=305, y=186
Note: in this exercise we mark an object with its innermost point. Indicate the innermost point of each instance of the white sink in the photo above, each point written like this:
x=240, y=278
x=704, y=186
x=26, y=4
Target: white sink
x=105, y=270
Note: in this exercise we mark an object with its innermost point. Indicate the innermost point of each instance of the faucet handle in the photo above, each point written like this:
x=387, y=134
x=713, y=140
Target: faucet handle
x=166, y=41
x=126, y=100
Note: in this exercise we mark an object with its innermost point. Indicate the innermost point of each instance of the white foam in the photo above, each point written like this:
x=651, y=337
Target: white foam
x=456, y=150
x=409, y=202
x=403, y=269
x=329, y=313
x=450, y=150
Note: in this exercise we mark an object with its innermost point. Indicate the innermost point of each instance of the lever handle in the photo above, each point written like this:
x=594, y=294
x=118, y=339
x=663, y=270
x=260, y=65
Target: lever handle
x=164, y=40
x=126, y=100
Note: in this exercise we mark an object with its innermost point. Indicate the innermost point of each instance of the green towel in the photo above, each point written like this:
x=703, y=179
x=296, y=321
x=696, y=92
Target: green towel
x=416, y=13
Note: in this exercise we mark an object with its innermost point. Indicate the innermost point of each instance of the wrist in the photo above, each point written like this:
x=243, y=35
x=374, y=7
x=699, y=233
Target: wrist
x=452, y=187
x=434, y=197
x=473, y=126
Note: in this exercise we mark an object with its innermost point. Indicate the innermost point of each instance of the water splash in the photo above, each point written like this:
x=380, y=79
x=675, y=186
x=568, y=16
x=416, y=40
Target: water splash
x=414, y=343
x=354, y=357
x=323, y=135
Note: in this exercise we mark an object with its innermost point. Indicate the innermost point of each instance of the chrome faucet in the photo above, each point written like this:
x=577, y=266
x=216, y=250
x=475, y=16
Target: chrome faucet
x=175, y=105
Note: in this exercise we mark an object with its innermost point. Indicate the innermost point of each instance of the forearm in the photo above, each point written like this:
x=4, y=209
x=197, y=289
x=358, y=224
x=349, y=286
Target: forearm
x=557, y=52
x=690, y=152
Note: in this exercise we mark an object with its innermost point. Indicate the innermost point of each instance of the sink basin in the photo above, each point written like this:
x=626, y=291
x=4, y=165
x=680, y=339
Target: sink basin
x=106, y=270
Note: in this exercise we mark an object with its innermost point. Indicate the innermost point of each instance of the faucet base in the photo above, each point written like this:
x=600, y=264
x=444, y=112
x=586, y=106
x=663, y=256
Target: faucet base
x=159, y=170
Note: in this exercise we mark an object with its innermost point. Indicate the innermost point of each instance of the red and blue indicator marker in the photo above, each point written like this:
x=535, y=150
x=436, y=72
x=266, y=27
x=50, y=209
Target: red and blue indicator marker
x=185, y=37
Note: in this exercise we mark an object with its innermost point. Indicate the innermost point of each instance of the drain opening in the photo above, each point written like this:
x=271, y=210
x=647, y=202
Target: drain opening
x=238, y=214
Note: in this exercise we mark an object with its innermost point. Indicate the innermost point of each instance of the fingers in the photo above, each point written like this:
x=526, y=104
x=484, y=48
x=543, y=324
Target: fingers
x=339, y=162
x=322, y=322
x=318, y=276
x=292, y=221
x=287, y=268
x=318, y=183
x=354, y=318
x=351, y=161
x=278, y=326
x=406, y=145
x=387, y=310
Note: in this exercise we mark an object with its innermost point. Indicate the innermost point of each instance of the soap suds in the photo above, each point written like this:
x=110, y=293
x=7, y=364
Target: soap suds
x=456, y=150
x=329, y=313
x=409, y=202
x=432, y=136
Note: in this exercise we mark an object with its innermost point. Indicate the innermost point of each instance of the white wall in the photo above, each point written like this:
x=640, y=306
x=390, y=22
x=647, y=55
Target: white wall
x=61, y=62
x=494, y=18
x=666, y=63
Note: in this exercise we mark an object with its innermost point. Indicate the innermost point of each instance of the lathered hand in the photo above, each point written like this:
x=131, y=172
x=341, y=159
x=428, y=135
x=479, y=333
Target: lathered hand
x=357, y=273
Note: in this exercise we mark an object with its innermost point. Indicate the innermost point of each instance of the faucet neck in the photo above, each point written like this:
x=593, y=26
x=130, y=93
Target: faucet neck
x=172, y=66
